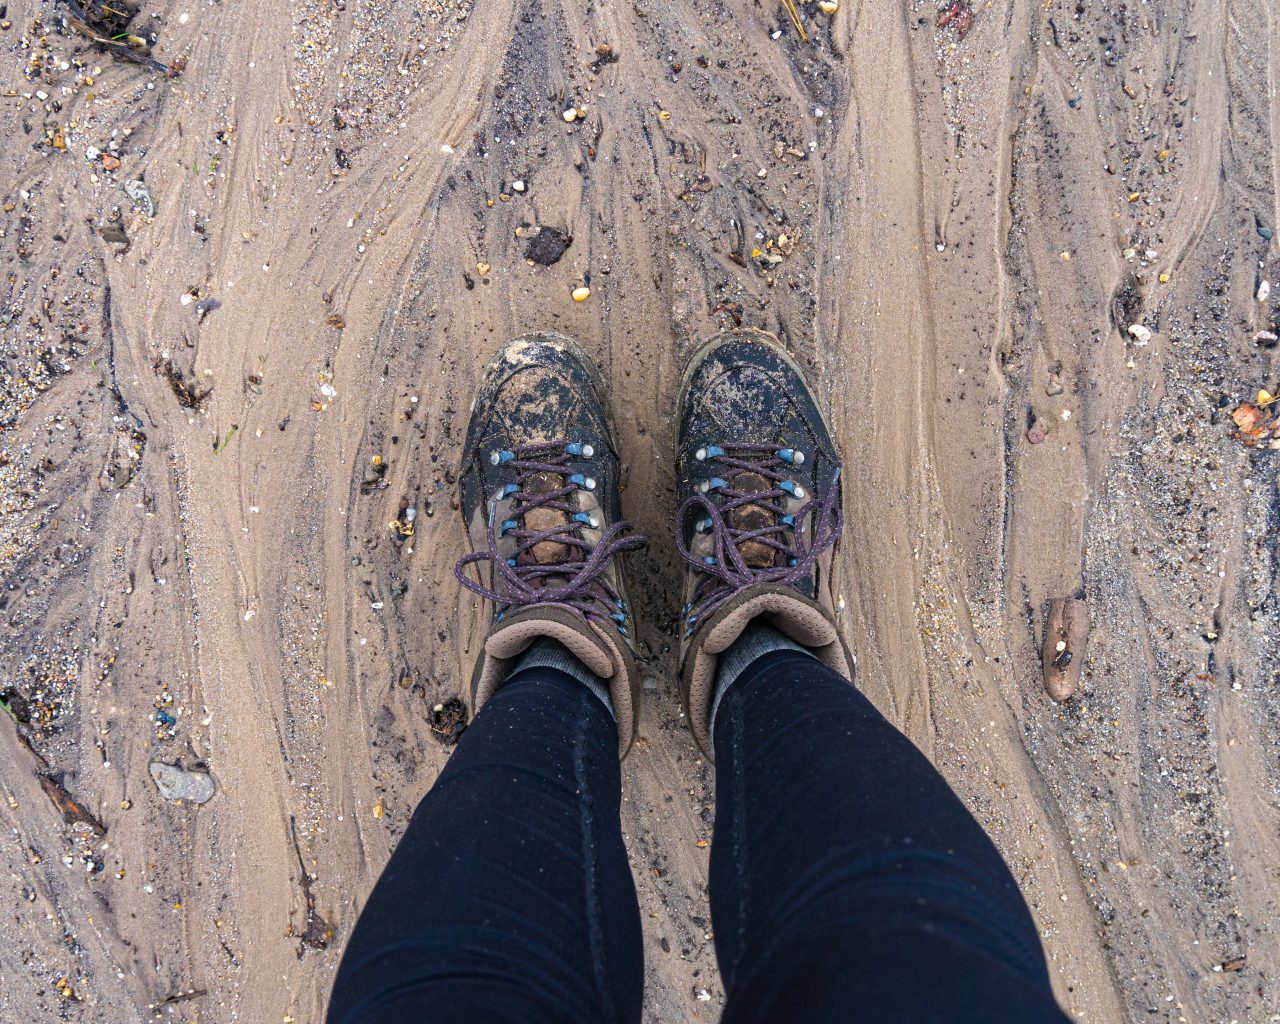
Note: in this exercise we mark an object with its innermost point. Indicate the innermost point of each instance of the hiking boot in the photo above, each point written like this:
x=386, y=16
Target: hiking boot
x=760, y=512
x=540, y=493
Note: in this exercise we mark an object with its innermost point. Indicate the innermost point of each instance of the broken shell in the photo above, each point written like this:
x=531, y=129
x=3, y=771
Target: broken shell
x=1264, y=287
x=828, y=6
x=580, y=294
x=1139, y=333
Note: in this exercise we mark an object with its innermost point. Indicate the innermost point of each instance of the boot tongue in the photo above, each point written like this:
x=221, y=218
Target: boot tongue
x=547, y=552
x=753, y=517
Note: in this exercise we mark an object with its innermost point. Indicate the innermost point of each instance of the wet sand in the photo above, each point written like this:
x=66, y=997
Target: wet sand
x=971, y=226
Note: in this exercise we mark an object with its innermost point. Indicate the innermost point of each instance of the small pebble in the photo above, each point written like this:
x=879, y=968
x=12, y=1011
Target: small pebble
x=518, y=185
x=571, y=115
x=828, y=6
x=580, y=294
x=1036, y=435
x=1264, y=289
x=1139, y=333
x=177, y=783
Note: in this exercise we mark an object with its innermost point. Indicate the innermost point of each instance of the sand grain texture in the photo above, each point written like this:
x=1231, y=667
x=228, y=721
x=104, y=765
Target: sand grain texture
x=960, y=237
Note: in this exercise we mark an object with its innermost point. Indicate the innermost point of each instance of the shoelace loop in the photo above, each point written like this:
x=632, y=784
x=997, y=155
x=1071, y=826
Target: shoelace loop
x=726, y=572
x=577, y=584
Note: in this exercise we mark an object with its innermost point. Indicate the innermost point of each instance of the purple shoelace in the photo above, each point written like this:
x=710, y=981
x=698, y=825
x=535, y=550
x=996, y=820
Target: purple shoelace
x=579, y=583
x=727, y=572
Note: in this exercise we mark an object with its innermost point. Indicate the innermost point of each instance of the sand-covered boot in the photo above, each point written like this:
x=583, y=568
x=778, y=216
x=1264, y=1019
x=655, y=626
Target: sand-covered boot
x=759, y=487
x=541, y=495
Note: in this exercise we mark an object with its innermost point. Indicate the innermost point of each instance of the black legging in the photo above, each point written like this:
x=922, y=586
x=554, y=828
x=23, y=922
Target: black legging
x=848, y=883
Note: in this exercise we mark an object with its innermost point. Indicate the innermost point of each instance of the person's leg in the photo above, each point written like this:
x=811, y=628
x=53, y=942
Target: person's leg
x=848, y=882
x=509, y=898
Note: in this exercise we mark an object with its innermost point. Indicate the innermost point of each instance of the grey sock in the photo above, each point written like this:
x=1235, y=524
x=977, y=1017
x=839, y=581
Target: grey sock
x=758, y=639
x=547, y=653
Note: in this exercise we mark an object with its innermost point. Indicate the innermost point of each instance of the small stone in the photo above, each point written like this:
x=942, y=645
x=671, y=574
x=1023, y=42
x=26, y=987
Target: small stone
x=483, y=269
x=1139, y=333
x=571, y=115
x=110, y=163
x=177, y=783
x=518, y=185
x=1066, y=636
x=1036, y=435
x=1264, y=289
x=580, y=294
x=1164, y=278
x=828, y=6
x=1053, y=387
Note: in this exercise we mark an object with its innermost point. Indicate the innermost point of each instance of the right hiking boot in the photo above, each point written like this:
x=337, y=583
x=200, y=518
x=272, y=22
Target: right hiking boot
x=760, y=511
x=541, y=485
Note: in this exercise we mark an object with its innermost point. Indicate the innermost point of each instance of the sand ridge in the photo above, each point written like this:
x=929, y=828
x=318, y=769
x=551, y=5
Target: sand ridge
x=952, y=234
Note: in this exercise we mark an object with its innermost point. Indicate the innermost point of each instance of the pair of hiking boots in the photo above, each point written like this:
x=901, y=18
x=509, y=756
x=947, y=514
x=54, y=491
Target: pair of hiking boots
x=758, y=519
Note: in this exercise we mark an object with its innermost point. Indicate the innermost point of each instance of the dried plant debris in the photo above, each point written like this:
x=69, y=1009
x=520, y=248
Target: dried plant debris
x=448, y=720
x=318, y=932
x=548, y=245
x=107, y=25
x=189, y=394
x=72, y=811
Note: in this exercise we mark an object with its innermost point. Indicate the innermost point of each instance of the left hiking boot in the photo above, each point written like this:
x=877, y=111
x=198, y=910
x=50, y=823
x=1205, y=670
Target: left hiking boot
x=541, y=486
x=760, y=511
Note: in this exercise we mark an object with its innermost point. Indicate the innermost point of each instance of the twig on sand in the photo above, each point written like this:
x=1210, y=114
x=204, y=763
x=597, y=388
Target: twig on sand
x=790, y=7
